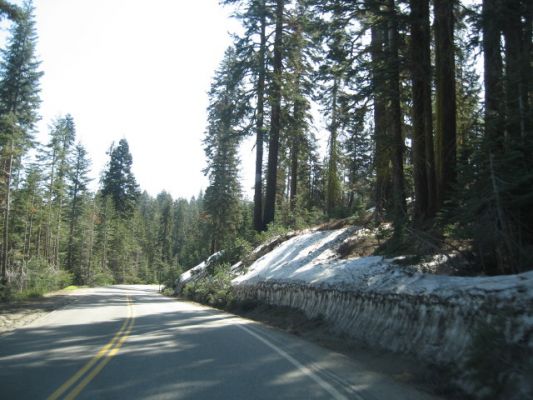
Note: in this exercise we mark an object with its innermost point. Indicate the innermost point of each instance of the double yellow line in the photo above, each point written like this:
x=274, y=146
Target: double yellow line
x=87, y=373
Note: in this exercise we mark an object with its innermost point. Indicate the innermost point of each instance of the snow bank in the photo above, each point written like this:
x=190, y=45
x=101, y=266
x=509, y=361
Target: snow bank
x=431, y=316
x=195, y=273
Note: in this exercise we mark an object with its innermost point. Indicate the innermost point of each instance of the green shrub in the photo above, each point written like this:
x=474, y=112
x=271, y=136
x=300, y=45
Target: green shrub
x=238, y=250
x=214, y=290
x=33, y=279
x=102, y=278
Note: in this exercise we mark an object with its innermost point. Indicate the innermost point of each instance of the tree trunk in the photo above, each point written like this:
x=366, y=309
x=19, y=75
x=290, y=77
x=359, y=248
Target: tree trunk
x=423, y=153
x=527, y=71
x=48, y=239
x=398, y=185
x=332, y=194
x=87, y=276
x=295, y=154
x=258, y=189
x=514, y=86
x=7, y=215
x=493, y=76
x=275, y=125
x=445, y=99
x=382, y=153
x=72, y=224
x=58, y=233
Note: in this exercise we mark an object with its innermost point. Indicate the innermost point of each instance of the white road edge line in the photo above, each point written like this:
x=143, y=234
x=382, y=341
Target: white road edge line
x=321, y=382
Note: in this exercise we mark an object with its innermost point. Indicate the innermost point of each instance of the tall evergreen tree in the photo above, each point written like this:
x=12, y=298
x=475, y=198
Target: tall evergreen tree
x=423, y=152
x=383, y=185
x=252, y=49
x=260, y=118
x=333, y=72
x=78, y=181
x=222, y=196
x=57, y=158
x=445, y=108
x=275, y=118
x=299, y=89
x=118, y=182
x=164, y=235
x=19, y=103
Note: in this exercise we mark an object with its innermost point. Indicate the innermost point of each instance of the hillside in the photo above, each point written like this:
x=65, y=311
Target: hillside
x=439, y=319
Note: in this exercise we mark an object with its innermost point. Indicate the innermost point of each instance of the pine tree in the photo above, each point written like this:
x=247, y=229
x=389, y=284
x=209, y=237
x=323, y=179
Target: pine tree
x=299, y=89
x=118, y=182
x=28, y=203
x=252, y=49
x=275, y=118
x=382, y=157
x=423, y=153
x=164, y=235
x=78, y=181
x=446, y=113
x=333, y=72
x=221, y=148
x=19, y=103
x=9, y=10
x=57, y=158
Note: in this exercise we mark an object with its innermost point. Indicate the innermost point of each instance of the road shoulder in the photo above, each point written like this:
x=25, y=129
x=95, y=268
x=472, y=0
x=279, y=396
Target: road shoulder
x=17, y=314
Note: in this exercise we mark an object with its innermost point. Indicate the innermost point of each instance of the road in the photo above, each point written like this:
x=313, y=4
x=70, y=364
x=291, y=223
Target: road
x=129, y=342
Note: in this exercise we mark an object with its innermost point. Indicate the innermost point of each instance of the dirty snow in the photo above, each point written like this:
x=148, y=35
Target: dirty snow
x=311, y=259
x=198, y=270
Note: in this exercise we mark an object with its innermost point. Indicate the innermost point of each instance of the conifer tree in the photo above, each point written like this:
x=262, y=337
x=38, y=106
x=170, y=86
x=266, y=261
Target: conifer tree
x=383, y=185
x=78, y=181
x=118, y=182
x=57, y=158
x=164, y=234
x=423, y=152
x=395, y=117
x=333, y=72
x=298, y=92
x=9, y=10
x=445, y=108
x=252, y=49
x=275, y=118
x=19, y=103
x=221, y=147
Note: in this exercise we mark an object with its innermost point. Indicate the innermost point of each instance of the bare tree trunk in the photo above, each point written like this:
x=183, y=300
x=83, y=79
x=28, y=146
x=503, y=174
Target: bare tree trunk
x=275, y=126
x=258, y=189
x=493, y=76
x=295, y=154
x=48, y=239
x=445, y=99
x=397, y=142
x=423, y=153
x=382, y=150
x=91, y=243
x=514, y=86
x=58, y=234
x=332, y=194
x=7, y=214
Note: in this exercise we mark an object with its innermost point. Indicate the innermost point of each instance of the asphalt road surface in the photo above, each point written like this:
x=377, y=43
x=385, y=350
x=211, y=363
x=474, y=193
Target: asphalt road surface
x=129, y=342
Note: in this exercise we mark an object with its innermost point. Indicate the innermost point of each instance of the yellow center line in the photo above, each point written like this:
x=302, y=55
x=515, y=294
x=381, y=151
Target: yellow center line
x=108, y=351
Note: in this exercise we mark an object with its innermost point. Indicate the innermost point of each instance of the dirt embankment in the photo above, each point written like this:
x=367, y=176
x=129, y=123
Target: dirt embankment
x=16, y=314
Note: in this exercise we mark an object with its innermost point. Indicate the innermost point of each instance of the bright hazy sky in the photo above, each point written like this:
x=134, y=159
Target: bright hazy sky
x=138, y=70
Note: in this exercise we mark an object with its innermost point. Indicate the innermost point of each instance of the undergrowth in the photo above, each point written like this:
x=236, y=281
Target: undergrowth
x=214, y=290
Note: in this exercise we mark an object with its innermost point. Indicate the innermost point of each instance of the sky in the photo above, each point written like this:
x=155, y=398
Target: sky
x=138, y=70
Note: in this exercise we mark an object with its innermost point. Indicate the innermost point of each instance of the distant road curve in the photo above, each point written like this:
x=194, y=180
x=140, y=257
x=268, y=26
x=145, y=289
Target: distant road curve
x=129, y=342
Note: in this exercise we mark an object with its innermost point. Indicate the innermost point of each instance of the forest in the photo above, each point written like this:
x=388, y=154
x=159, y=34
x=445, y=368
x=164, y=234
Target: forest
x=429, y=122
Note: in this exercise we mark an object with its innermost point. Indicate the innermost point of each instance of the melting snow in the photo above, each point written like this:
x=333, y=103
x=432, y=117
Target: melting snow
x=311, y=259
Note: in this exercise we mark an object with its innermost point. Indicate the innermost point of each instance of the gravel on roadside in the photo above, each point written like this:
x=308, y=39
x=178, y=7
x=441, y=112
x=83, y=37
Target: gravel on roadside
x=16, y=314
